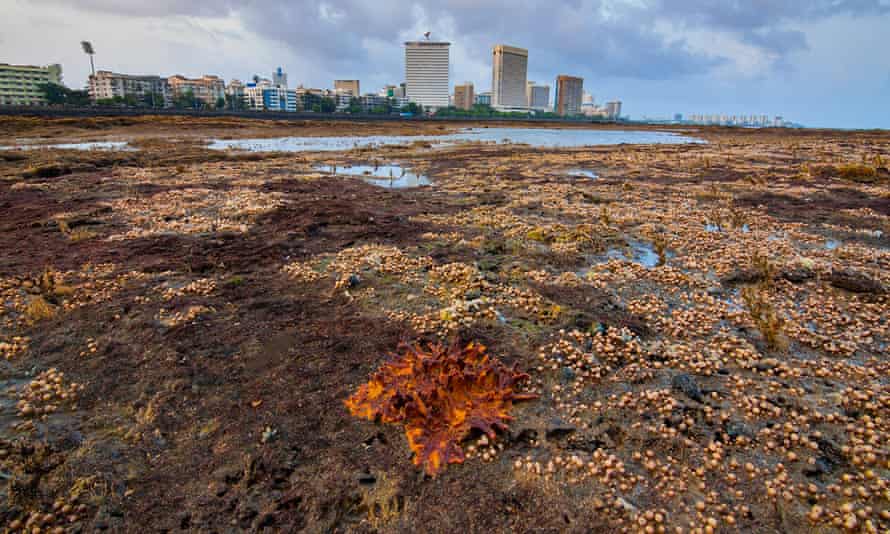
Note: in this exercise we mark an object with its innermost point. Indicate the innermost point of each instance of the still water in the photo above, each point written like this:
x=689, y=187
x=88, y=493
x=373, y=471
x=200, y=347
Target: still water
x=535, y=137
x=388, y=176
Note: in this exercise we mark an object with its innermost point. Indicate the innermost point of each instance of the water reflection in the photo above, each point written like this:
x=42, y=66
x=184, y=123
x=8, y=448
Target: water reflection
x=388, y=176
x=535, y=137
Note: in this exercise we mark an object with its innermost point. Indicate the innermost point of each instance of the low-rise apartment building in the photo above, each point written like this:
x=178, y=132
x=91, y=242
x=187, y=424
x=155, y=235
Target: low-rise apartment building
x=208, y=88
x=106, y=85
x=20, y=84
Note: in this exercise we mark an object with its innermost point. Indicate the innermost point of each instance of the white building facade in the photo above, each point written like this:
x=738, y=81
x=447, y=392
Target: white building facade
x=427, y=66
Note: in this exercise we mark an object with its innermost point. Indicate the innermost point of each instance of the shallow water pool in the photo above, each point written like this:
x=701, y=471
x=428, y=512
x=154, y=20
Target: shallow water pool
x=536, y=137
x=388, y=176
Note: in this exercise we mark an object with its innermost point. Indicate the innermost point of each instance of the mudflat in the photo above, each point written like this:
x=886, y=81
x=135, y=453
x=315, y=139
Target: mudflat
x=698, y=332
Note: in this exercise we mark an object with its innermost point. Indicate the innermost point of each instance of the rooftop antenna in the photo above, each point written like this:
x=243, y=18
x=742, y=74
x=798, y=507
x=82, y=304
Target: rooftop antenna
x=427, y=36
x=88, y=50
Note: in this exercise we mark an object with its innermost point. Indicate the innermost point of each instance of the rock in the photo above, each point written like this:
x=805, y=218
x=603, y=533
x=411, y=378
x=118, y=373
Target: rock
x=557, y=428
x=821, y=467
x=473, y=294
x=354, y=280
x=523, y=435
x=856, y=282
x=741, y=276
x=798, y=274
x=687, y=384
x=831, y=452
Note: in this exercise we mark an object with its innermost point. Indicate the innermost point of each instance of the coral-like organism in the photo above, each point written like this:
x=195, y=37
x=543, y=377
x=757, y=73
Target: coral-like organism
x=440, y=394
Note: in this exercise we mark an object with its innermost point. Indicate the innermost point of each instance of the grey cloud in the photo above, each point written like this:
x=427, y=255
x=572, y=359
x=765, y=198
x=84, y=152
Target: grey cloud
x=596, y=37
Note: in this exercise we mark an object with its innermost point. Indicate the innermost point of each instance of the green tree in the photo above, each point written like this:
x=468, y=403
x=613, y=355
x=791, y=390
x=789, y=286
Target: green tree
x=153, y=100
x=355, y=105
x=413, y=107
x=328, y=105
x=234, y=103
x=186, y=100
x=220, y=103
x=59, y=95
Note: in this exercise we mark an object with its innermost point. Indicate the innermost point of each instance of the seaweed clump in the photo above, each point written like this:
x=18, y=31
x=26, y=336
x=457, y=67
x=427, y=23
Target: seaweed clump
x=441, y=394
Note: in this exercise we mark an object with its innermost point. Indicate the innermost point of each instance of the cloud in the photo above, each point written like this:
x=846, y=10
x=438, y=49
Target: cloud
x=700, y=51
x=593, y=38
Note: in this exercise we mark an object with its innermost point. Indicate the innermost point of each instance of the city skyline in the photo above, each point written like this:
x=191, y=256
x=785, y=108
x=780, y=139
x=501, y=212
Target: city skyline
x=781, y=59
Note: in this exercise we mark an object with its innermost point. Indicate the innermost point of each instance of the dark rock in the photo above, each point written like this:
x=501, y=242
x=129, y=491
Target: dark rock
x=831, y=452
x=856, y=282
x=742, y=276
x=354, y=280
x=557, y=428
x=798, y=274
x=523, y=435
x=473, y=294
x=688, y=386
x=822, y=466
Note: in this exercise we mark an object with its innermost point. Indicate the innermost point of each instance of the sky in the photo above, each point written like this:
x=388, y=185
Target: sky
x=815, y=62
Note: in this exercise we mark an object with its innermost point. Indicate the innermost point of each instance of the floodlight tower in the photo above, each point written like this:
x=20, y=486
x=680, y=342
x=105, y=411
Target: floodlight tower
x=88, y=50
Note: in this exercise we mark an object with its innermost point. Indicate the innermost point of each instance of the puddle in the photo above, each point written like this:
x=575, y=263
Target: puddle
x=709, y=227
x=388, y=176
x=535, y=137
x=831, y=244
x=640, y=252
x=582, y=173
x=95, y=145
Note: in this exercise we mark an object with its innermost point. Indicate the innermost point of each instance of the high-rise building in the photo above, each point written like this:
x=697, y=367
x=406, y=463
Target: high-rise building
x=537, y=96
x=208, y=88
x=279, y=78
x=347, y=86
x=613, y=109
x=509, y=69
x=569, y=91
x=105, y=85
x=463, y=96
x=427, y=65
x=20, y=84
